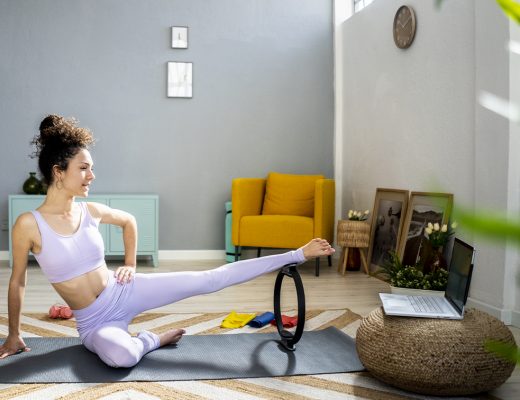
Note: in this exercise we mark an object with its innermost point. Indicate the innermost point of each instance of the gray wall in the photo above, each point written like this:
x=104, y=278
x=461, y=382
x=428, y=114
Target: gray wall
x=263, y=97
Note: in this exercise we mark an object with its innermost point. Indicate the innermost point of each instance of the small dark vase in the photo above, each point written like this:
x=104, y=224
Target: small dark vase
x=32, y=185
x=353, y=260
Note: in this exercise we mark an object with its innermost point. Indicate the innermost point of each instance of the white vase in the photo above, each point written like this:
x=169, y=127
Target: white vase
x=416, y=292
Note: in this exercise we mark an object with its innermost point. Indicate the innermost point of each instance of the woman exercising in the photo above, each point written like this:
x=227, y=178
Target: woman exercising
x=63, y=235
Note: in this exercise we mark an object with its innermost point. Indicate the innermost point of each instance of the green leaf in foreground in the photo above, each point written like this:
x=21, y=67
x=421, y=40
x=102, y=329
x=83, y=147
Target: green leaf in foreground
x=511, y=8
x=491, y=225
x=507, y=351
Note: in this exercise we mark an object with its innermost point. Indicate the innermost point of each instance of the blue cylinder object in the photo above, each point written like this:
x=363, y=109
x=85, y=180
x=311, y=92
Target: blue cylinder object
x=261, y=320
x=230, y=248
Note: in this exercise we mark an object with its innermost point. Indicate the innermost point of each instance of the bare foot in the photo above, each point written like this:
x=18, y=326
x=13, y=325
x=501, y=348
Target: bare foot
x=171, y=337
x=316, y=248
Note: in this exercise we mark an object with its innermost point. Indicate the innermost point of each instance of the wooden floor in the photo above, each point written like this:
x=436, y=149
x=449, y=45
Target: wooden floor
x=355, y=291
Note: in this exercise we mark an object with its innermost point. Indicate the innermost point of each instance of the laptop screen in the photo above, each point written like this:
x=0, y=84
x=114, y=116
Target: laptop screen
x=459, y=278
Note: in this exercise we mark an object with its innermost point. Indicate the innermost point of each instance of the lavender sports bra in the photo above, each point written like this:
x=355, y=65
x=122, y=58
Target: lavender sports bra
x=64, y=257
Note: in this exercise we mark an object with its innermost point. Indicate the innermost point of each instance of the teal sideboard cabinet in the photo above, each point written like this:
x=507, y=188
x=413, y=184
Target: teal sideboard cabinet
x=144, y=207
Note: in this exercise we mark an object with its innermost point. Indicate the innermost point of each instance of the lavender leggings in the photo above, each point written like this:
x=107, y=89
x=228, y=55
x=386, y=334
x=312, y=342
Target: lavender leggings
x=103, y=325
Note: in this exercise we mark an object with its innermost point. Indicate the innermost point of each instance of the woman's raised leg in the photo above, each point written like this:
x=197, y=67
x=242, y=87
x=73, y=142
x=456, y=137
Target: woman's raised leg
x=156, y=290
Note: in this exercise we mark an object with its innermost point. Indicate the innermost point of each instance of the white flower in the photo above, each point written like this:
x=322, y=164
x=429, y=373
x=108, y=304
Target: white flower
x=430, y=225
x=355, y=215
x=436, y=227
x=454, y=225
x=428, y=230
x=444, y=228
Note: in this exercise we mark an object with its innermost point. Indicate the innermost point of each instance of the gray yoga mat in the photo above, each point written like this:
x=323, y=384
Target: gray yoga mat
x=57, y=360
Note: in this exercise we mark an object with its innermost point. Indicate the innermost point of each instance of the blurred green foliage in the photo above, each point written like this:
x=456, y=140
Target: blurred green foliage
x=507, y=351
x=489, y=224
x=510, y=7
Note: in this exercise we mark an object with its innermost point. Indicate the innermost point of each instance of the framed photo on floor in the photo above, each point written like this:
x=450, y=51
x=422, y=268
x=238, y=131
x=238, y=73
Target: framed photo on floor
x=388, y=216
x=422, y=208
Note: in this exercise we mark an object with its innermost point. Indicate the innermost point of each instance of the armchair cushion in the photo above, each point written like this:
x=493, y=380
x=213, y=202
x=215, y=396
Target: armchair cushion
x=288, y=194
x=277, y=231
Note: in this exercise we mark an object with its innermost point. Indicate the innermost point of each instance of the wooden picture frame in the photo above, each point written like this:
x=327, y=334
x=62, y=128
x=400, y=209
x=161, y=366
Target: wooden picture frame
x=423, y=207
x=388, y=215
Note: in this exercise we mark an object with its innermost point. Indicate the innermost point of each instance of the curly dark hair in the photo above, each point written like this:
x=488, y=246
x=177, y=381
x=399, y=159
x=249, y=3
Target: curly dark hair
x=60, y=139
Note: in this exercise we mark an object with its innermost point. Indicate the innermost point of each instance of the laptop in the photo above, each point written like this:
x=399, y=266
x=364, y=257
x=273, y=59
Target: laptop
x=451, y=306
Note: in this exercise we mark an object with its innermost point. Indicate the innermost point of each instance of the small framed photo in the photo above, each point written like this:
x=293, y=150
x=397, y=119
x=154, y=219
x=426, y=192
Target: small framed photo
x=180, y=79
x=387, y=223
x=423, y=208
x=179, y=37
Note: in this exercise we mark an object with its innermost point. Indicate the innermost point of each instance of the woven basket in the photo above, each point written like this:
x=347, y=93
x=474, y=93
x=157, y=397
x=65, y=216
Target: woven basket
x=353, y=233
x=433, y=356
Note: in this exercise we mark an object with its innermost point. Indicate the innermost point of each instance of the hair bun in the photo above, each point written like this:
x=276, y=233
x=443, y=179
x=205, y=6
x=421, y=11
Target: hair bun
x=59, y=140
x=51, y=121
x=58, y=132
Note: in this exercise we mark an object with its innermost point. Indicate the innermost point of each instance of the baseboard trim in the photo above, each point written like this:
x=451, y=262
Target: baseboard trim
x=172, y=255
x=508, y=317
x=515, y=318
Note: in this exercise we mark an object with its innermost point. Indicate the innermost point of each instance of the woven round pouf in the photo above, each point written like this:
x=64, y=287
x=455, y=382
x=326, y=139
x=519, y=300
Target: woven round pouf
x=434, y=356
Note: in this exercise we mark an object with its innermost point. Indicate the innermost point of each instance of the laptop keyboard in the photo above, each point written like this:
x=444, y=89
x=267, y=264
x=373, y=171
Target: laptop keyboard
x=425, y=304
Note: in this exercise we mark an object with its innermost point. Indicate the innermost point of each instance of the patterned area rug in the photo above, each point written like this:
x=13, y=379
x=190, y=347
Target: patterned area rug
x=329, y=386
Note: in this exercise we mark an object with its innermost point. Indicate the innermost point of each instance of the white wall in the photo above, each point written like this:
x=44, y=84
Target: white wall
x=411, y=121
x=342, y=10
x=408, y=115
x=491, y=152
x=513, y=277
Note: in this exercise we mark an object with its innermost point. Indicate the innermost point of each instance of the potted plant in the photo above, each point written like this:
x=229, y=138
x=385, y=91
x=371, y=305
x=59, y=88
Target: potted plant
x=429, y=274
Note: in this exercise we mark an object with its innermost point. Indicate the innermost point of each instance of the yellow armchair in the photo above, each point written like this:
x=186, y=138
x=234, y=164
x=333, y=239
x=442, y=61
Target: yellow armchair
x=283, y=211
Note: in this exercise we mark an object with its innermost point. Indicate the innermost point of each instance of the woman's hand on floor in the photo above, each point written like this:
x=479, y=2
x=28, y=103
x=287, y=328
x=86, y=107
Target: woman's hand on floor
x=12, y=345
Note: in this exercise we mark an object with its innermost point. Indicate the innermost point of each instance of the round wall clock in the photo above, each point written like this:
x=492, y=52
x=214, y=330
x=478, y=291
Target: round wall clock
x=404, y=27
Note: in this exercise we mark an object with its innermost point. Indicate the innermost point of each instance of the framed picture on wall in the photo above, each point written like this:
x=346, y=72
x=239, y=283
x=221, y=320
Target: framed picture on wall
x=180, y=79
x=422, y=208
x=387, y=225
x=179, y=37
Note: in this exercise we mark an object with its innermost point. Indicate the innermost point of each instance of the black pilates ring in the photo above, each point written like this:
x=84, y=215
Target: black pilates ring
x=289, y=339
